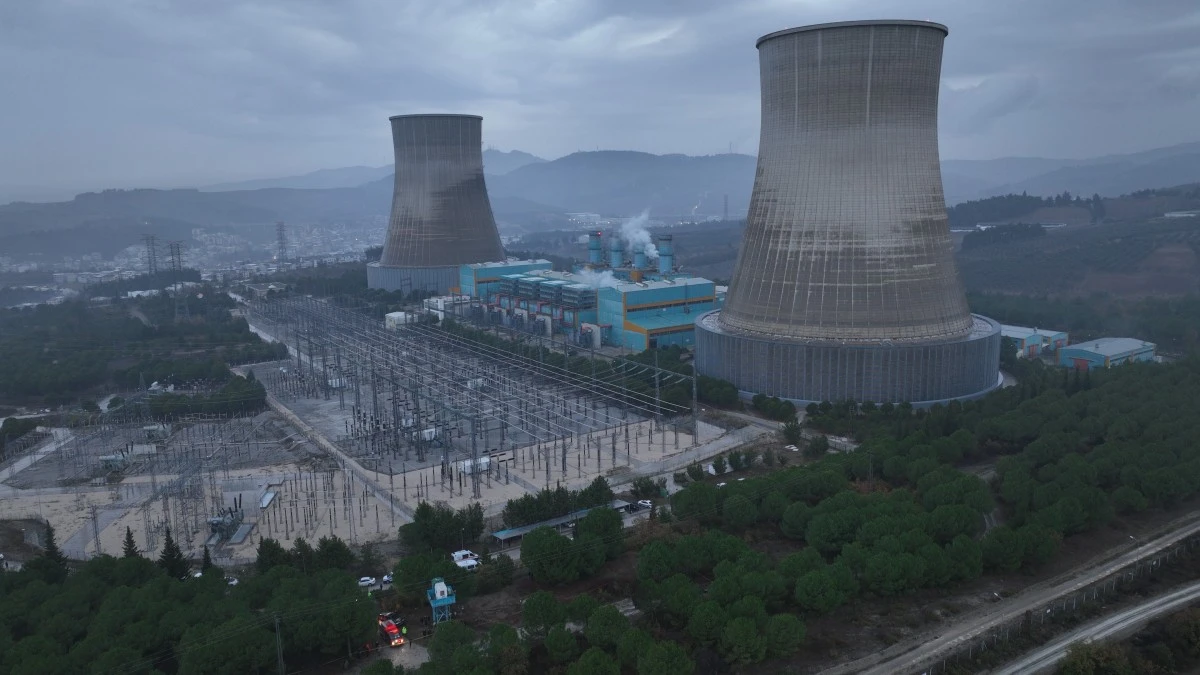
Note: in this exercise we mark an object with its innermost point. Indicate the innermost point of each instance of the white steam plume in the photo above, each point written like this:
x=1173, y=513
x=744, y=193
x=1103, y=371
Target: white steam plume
x=635, y=234
x=596, y=279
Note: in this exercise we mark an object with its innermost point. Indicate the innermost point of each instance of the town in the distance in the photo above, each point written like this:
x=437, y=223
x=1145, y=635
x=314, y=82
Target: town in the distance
x=841, y=406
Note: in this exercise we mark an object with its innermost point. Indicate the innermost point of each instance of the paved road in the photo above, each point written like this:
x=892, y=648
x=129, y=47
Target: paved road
x=60, y=436
x=1116, y=625
x=914, y=655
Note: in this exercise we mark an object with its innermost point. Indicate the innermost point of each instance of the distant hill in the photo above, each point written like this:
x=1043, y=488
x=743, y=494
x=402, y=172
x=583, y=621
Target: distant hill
x=1108, y=176
x=494, y=162
x=614, y=182
x=497, y=162
x=350, y=176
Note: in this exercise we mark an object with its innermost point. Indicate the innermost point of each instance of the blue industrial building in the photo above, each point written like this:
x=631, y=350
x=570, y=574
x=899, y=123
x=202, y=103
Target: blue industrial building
x=655, y=313
x=626, y=299
x=1028, y=342
x=483, y=280
x=1034, y=341
x=631, y=315
x=1105, y=353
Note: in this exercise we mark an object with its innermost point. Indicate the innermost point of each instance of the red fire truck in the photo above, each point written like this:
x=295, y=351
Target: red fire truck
x=392, y=630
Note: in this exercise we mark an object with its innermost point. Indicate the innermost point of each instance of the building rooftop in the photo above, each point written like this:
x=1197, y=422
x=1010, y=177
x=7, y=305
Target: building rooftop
x=507, y=263
x=1016, y=331
x=1113, y=346
x=631, y=286
x=1022, y=331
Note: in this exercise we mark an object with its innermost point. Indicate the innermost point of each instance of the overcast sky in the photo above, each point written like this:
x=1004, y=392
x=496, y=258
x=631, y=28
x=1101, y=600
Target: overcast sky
x=99, y=93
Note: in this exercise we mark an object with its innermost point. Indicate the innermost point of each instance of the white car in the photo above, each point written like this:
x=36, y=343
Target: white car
x=232, y=581
x=645, y=504
x=366, y=581
x=459, y=556
x=470, y=565
x=791, y=448
x=387, y=578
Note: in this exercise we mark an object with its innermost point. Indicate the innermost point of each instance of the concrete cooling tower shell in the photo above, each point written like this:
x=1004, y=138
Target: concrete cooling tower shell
x=847, y=237
x=845, y=286
x=441, y=217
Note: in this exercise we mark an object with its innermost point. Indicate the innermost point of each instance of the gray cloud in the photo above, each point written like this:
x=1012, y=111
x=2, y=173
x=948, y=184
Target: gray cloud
x=133, y=92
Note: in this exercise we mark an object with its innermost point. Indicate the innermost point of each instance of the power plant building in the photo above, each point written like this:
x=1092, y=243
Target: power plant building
x=441, y=218
x=1034, y=341
x=1106, y=353
x=484, y=280
x=621, y=297
x=845, y=286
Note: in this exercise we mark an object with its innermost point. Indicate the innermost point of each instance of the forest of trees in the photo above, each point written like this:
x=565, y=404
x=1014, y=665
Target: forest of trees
x=1171, y=323
x=552, y=503
x=52, y=354
x=135, y=615
x=1074, y=453
x=1012, y=206
x=1000, y=234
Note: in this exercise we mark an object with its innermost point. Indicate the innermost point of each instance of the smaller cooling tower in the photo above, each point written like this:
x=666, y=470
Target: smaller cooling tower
x=441, y=217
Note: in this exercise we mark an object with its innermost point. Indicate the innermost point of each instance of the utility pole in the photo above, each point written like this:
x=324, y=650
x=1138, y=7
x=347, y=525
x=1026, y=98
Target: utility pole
x=279, y=647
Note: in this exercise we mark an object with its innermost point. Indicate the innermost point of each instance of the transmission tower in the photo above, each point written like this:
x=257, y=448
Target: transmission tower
x=281, y=241
x=176, y=251
x=151, y=243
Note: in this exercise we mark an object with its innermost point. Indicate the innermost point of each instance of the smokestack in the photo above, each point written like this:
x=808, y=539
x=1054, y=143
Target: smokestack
x=595, y=250
x=441, y=217
x=666, y=254
x=639, y=257
x=616, y=255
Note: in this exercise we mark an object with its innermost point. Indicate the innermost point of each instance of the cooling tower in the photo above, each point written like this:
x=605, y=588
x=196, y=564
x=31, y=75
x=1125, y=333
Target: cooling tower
x=441, y=217
x=845, y=286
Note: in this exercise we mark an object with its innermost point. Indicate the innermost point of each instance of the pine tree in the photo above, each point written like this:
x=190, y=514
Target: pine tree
x=53, y=554
x=53, y=564
x=129, y=549
x=206, y=563
x=171, y=559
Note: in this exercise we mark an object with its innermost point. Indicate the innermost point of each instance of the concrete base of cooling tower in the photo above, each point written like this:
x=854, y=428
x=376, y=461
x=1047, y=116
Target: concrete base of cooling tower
x=437, y=280
x=921, y=373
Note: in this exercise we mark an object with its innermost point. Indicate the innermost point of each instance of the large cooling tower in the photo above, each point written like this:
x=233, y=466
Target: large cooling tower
x=441, y=217
x=845, y=287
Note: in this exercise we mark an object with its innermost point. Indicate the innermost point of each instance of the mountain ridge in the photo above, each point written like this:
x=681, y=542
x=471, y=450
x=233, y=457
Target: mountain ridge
x=495, y=162
x=609, y=182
